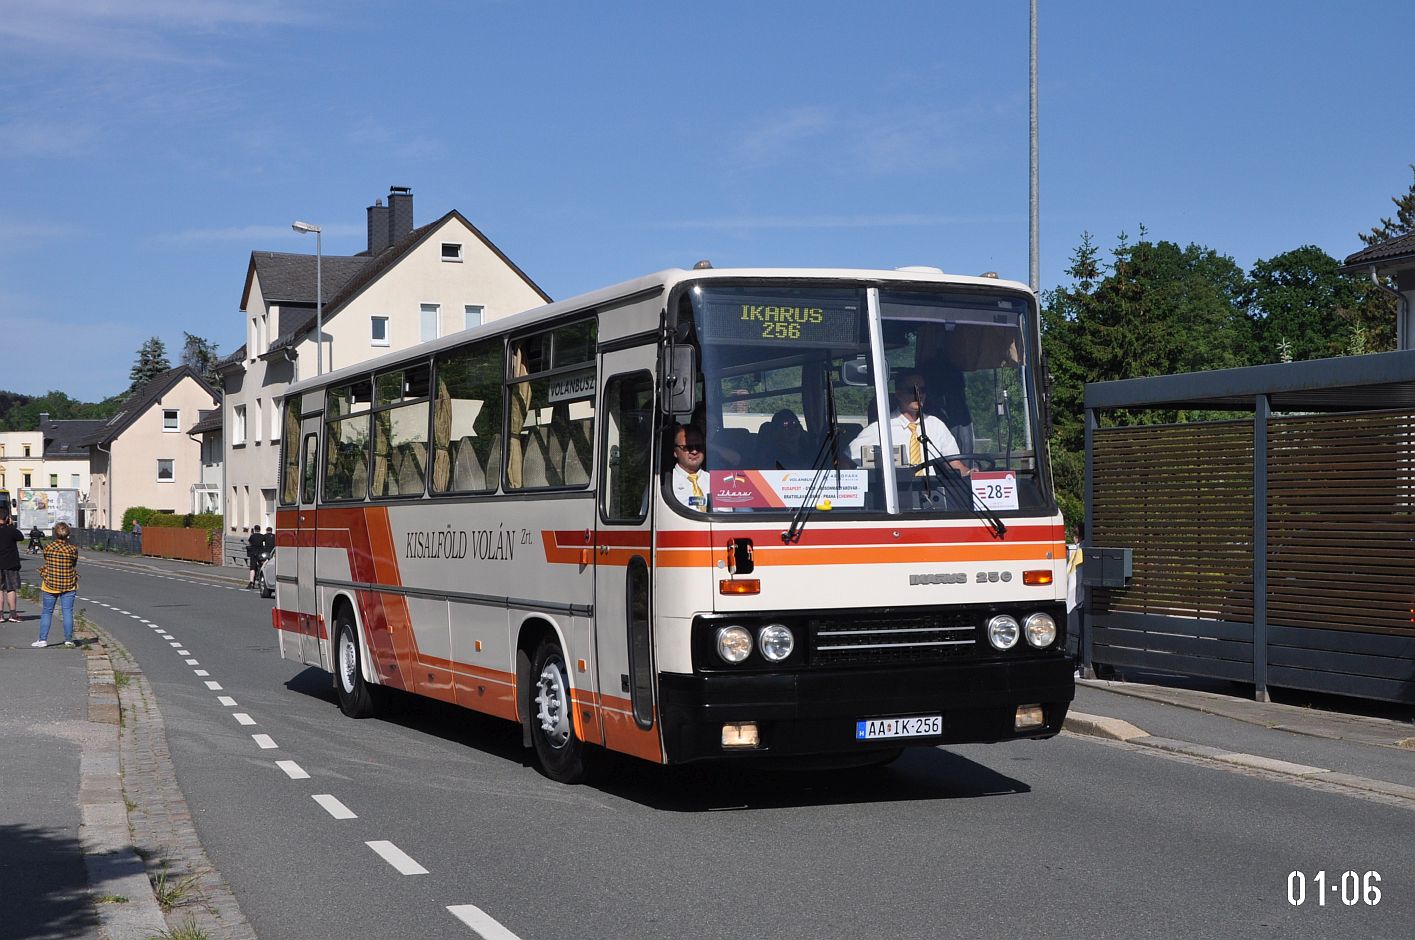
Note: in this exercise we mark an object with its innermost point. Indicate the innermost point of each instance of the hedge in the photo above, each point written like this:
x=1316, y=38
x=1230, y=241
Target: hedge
x=211, y=522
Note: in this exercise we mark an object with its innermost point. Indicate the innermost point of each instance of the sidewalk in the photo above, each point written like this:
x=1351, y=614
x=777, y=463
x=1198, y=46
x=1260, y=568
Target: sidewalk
x=66, y=859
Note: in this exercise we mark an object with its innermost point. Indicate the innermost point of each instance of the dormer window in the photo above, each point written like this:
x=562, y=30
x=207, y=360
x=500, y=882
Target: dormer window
x=451, y=251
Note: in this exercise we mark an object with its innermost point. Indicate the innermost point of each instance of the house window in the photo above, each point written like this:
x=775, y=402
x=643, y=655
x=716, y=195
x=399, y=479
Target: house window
x=274, y=419
x=451, y=251
x=26, y=478
x=238, y=427
x=171, y=419
x=53, y=480
x=26, y=450
x=74, y=480
x=164, y=471
x=258, y=422
x=378, y=331
x=473, y=313
x=428, y=317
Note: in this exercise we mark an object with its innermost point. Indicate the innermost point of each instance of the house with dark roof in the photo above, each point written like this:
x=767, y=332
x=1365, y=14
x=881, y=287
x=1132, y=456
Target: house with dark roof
x=1391, y=261
x=142, y=456
x=206, y=492
x=410, y=284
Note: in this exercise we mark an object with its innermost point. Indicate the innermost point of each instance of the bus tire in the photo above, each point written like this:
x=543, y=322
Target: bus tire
x=562, y=755
x=357, y=698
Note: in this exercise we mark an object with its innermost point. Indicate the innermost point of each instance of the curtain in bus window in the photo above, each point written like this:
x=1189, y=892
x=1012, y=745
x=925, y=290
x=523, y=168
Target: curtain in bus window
x=467, y=420
x=520, y=403
x=290, y=456
x=400, y=451
x=346, y=458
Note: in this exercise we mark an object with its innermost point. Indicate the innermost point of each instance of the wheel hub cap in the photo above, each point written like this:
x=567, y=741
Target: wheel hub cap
x=553, y=704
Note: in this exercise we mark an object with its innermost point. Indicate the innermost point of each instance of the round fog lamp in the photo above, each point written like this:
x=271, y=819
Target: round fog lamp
x=734, y=644
x=776, y=641
x=1040, y=629
x=1003, y=631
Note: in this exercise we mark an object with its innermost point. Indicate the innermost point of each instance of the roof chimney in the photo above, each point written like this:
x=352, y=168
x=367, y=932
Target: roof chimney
x=378, y=227
x=400, y=212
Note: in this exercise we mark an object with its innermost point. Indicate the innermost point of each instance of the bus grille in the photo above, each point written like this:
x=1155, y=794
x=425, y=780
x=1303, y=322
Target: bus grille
x=898, y=639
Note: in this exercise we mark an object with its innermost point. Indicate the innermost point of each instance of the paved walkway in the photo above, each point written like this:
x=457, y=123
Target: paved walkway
x=69, y=868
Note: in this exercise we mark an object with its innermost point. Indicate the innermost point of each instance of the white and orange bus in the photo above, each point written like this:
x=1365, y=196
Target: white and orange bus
x=489, y=519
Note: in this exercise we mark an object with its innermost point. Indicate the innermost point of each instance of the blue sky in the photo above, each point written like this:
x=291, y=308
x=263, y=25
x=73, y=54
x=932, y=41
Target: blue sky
x=147, y=146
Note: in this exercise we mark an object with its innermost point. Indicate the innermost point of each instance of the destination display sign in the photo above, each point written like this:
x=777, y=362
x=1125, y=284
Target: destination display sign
x=781, y=321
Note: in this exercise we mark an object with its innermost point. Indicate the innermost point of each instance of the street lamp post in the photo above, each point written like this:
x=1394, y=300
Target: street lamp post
x=304, y=228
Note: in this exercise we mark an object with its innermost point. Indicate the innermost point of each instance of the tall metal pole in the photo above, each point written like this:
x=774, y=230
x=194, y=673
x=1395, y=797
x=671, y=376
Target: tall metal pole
x=319, y=301
x=1036, y=252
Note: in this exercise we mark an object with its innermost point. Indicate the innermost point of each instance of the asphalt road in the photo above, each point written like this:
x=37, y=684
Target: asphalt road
x=446, y=831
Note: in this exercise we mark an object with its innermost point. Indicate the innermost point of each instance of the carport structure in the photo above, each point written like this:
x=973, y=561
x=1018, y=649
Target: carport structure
x=1277, y=550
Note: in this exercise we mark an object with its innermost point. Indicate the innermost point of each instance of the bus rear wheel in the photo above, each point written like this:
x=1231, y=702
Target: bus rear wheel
x=561, y=753
x=357, y=698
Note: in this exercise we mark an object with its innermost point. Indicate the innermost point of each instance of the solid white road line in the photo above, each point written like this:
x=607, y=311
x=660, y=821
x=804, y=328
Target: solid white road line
x=482, y=923
x=333, y=807
x=242, y=718
x=226, y=700
x=213, y=686
x=292, y=770
x=265, y=741
x=397, y=858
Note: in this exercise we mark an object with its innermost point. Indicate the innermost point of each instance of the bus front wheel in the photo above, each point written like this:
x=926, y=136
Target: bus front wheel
x=560, y=752
x=357, y=698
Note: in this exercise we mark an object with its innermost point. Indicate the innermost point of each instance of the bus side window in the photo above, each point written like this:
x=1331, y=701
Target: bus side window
x=628, y=442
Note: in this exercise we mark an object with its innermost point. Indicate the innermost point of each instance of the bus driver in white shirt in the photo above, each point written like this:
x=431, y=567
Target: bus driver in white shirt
x=909, y=425
x=690, y=480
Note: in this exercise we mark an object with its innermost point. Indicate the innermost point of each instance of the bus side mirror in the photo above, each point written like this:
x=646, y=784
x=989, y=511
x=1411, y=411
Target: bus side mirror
x=856, y=371
x=679, y=369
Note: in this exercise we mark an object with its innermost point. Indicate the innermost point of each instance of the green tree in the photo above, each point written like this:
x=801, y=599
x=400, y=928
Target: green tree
x=202, y=357
x=1299, y=298
x=151, y=361
x=1402, y=224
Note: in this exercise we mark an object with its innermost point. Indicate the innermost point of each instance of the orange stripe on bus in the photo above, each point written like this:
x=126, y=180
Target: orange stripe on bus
x=822, y=536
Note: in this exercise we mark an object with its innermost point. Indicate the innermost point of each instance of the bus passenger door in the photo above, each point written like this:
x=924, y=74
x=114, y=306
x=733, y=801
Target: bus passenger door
x=306, y=537
x=624, y=554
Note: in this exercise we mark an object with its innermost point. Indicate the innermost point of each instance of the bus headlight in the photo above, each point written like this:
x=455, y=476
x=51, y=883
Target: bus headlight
x=1040, y=630
x=775, y=641
x=1003, y=631
x=734, y=644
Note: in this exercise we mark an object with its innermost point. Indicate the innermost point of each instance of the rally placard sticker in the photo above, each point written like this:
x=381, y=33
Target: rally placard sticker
x=995, y=489
x=785, y=489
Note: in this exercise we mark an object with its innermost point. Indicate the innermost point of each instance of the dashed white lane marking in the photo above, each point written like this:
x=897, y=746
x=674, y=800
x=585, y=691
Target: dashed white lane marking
x=333, y=807
x=265, y=741
x=482, y=923
x=396, y=857
x=201, y=672
x=292, y=770
x=144, y=620
x=243, y=718
x=184, y=652
x=213, y=686
x=193, y=662
x=176, y=642
x=226, y=700
x=135, y=616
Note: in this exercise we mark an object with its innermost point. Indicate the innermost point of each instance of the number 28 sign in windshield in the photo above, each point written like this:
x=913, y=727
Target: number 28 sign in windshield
x=778, y=321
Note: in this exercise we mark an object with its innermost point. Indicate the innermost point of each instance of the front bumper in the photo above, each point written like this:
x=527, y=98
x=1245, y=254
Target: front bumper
x=814, y=712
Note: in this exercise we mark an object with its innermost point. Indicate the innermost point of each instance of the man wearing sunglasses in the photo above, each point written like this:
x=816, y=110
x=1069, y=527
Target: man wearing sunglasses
x=911, y=428
x=690, y=480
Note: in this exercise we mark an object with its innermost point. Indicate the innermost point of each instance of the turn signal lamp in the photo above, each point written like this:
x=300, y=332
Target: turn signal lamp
x=1036, y=577
x=740, y=586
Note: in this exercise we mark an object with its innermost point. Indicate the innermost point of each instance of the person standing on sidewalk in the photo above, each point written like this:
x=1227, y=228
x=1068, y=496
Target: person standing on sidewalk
x=11, y=538
x=58, y=582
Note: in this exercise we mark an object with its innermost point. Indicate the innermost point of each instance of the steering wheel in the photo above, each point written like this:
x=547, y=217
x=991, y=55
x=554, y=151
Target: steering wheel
x=944, y=465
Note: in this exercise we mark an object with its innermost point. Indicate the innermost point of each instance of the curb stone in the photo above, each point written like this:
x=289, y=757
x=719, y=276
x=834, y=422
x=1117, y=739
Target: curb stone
x=157, y=831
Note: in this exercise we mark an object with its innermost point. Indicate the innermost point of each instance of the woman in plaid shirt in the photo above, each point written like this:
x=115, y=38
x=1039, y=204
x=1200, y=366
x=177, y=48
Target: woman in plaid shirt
x=58, y=581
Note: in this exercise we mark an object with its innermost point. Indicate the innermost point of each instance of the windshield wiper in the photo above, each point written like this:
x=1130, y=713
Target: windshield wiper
x=953, y=480
x=825, y=457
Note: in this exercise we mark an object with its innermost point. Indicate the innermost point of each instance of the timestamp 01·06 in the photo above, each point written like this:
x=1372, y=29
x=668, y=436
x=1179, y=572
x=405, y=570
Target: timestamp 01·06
x=1351, y=887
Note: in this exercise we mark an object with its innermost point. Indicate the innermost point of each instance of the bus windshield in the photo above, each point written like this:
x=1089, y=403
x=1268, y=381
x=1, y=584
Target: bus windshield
x=779, y=362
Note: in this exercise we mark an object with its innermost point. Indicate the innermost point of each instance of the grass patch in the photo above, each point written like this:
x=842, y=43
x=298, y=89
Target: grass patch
x=172, y=892
x=187, y=931
x=121, y=678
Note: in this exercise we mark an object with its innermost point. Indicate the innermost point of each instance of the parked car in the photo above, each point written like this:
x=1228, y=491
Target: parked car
x=265, y=577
